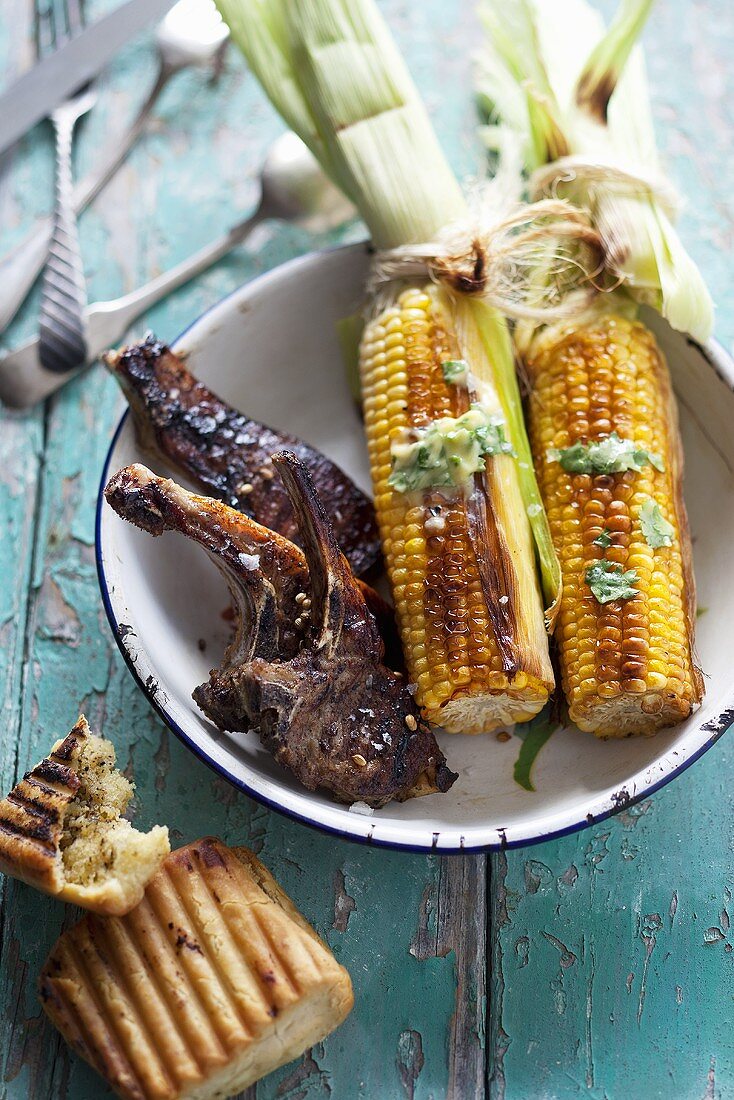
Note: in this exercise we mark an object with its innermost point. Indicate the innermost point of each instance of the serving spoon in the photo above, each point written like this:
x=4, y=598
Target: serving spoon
x=293, y=189
x=192, y=33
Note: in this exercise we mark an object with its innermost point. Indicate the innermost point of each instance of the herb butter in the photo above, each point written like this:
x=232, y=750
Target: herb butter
x=610, y=455
x=448, y=452
x=455, y=371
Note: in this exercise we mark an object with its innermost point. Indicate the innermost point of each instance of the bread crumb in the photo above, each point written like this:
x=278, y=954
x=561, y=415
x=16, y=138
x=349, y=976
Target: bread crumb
x=97, y=842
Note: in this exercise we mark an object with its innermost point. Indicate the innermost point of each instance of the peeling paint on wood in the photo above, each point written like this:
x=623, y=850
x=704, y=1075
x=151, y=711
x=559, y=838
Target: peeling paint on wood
x=410, y=1061
x=344, y=905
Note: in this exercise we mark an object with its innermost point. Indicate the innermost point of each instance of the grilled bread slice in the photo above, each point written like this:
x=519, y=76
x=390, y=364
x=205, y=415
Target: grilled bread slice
x=212, y=981
x=61, y=829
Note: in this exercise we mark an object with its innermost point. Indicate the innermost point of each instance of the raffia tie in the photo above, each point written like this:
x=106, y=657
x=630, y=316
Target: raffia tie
x=498, y=261
x=631, y=180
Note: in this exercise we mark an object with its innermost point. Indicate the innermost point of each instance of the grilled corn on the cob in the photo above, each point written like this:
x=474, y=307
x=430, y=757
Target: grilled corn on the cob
x=602, y=416
x=468, y=601
x=460, y=558
x=627, y=665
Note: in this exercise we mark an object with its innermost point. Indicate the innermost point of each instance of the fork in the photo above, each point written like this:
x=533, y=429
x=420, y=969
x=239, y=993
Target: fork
x=190, y=34
x=62, y=327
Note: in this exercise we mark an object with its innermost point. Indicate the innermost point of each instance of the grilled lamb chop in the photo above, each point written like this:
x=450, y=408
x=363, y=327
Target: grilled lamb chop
x=305, y=671
x=227, y=455
x=243, y=551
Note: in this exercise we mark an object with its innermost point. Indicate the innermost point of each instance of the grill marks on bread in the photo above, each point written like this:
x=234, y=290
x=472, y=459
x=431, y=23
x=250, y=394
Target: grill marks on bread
x=61, y=828
x=213, y=980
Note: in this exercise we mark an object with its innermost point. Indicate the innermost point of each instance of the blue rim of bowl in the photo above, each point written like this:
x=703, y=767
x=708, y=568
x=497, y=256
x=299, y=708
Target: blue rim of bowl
x=723, y=366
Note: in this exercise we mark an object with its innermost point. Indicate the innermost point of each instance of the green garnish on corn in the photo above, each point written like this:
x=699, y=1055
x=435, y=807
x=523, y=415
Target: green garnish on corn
x=448, y=452
x=604, y=540
x=456, y=371
x=608, y=581
x=655, y=527
x=607, y=455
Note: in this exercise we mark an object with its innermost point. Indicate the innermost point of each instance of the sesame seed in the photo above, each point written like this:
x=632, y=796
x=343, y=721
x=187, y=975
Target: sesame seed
x=245, y=488
x=307, y=604
x=267, y=473
x=359, y=760
x=411, y=722
x=301, y=597
x=298, y=623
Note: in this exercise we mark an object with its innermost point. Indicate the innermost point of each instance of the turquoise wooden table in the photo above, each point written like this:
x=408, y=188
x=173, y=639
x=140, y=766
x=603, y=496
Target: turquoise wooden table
x=599, y=965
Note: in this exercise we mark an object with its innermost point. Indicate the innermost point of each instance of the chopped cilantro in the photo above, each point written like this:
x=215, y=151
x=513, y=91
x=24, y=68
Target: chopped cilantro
x=610, y=455
x=604, y=539
x=455, y=370
x=655, y=527
x=608, y=581
x=534, y=735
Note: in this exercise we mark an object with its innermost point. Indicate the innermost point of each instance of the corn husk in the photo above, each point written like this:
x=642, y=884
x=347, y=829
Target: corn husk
x=578, y=102
x=332, y=70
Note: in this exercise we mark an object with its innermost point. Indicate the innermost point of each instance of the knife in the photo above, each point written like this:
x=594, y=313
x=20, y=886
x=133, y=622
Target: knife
x=35, y=94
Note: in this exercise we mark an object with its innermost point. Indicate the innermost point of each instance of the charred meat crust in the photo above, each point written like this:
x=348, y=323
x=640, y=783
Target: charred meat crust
x=333, y=715
x=308, y=675
x=227, y=455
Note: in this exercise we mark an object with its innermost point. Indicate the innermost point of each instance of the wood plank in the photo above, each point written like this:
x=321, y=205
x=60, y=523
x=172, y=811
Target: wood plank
x=612, y=961
x=21, y=451
x=410, y=928
x=611, y=950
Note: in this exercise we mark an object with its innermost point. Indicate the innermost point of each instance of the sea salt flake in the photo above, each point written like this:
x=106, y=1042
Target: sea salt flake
x=361, y=808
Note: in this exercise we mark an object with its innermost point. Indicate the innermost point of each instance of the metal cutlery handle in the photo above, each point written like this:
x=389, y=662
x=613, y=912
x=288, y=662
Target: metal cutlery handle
x=24, y=382
x=20, y=267
x=121, y=312
x=62, y=327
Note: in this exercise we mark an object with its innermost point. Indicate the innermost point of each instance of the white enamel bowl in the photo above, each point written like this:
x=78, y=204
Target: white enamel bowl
x=271, y=350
